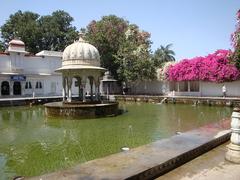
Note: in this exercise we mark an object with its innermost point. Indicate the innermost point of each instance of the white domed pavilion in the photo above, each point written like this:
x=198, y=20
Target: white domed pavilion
x=81, y=60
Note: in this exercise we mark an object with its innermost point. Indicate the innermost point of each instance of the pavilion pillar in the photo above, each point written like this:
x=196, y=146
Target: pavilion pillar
x=79, y=88
x=97, y=87
x=91, y=87
x=84, y=90
x=64, y=88
x=69, y=84
x=108, y=90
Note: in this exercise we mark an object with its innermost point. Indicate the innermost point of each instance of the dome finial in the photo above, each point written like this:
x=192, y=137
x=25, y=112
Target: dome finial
x=81, y=36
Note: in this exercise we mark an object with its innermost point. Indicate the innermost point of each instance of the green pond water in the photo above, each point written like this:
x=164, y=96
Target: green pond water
x=32, y=144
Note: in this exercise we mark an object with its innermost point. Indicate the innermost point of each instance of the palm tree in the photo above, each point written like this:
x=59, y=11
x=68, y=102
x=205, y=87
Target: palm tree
x=163, y=54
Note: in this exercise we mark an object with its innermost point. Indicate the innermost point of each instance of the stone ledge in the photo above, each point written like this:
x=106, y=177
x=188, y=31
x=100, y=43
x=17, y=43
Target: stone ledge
x=151, y=160
x=216, y=101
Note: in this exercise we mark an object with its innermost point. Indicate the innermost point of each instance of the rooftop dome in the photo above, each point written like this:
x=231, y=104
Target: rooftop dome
x=16, y=45
x=81, y=53
x=16, y=42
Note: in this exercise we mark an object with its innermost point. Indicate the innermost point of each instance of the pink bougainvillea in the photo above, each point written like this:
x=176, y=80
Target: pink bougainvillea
x=214, y=67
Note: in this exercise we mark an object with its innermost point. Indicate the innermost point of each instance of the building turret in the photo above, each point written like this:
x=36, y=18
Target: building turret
x=16, y=45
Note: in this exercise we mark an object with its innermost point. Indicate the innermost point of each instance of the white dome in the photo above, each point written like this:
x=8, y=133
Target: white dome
x=81, y=53
x=16, y=42
x=16, y=45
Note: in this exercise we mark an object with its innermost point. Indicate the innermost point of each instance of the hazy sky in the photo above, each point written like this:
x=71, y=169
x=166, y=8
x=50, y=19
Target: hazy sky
x=193, y=27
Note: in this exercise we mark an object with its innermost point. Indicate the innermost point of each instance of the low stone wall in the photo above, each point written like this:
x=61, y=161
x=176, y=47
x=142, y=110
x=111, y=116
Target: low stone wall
x=218, y=101
x=81, y=110
x=139, y=98
x=27, y=101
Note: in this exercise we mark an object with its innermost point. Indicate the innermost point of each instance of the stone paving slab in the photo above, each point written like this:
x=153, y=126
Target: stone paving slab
x=209, y=166
x=149, y=161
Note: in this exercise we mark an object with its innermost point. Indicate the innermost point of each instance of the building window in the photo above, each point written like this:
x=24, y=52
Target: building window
x=194, y=86
x=38, y=85
x=28, y=85
x=183, y=86
x=173, y=86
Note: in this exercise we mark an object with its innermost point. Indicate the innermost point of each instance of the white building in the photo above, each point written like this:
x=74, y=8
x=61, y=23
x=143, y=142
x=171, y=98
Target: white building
x=22, y=74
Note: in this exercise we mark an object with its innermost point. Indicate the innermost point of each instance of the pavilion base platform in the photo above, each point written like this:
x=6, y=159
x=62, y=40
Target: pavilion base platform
x=82, y=110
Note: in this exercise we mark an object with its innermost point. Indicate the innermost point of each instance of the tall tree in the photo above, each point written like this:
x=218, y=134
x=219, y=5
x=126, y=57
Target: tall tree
x=22, y=25
x=56, y=31
x=133, y=57
x=124, y=49
x=107, y=34
x=235, y=37
x=52, y=32
x=163, y=54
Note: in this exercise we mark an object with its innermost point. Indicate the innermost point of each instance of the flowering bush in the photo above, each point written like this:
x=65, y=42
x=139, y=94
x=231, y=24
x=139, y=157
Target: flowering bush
x=214, y=67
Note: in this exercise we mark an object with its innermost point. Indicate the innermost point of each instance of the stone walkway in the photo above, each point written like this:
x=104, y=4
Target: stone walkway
x=210, y=166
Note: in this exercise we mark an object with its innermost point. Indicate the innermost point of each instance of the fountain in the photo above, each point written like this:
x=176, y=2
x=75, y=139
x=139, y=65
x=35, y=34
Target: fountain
x=162, y=101
x=81, y=60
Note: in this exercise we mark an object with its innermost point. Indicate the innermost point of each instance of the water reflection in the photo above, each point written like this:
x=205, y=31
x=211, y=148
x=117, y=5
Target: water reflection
x=32, y=144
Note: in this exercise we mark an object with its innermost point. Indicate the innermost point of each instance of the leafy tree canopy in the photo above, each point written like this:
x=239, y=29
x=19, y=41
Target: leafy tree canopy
x=133, y=57
x=51, y=32
x=107, y=35
x=56, y=31
x=124, y=49
x=23, y=25
x=235, y=37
